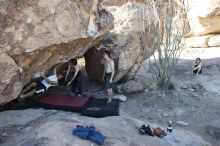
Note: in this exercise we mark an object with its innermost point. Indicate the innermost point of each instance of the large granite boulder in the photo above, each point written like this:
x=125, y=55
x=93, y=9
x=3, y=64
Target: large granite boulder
x=130, y=41
x=214, y=41
x=204, y=41
x=36, y=34
x=203, y=16
x=9, y=74
x=204, y=21
x=120, y=3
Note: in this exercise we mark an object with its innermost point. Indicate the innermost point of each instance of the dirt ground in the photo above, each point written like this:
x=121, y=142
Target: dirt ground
x=195, y=101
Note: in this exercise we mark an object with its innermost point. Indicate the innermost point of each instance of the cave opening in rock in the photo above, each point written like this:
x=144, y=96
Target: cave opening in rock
x=93, y=70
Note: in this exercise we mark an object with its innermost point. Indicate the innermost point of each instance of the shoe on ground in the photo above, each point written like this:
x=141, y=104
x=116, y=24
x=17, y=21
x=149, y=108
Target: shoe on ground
x=146, y=130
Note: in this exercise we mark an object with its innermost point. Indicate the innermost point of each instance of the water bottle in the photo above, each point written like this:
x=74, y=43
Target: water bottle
x=169, y=128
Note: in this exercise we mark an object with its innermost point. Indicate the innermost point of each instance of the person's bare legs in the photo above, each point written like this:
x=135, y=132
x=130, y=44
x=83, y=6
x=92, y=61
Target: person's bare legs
x=109, y=91
x=111, y=94
x=29, y=87
x=28, y=94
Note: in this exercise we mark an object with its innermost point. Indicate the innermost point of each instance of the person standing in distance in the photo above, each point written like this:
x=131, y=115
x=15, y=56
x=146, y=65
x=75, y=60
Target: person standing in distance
x=197, y=67
x=109, y=71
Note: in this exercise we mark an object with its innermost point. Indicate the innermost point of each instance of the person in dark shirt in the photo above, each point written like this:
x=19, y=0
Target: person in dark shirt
x=197, y=67
x=76, y=79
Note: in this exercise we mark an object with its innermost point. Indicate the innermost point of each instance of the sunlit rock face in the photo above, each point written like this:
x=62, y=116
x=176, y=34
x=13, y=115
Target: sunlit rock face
x=204, y=20
x=130, y=41
x=9, y=75
x=120, y=2
x=36, y=34
x=204, y=16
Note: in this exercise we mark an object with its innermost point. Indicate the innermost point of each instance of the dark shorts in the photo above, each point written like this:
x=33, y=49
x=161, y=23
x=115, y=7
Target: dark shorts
x=108, y=85
x=40, y=87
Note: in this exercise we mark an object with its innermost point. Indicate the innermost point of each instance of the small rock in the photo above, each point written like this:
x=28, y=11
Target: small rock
x=183, y=87
x=197, y=87
x=145, y=110
x=159, y=110
x=165, y=114
x=4, y=134
x=142, y=115
x=190, y=89
x=158, y=115
x=178, y=111
x=146, y=90
x=183, y=123
x=170, y=122
x=133, y=86
x=214, y=131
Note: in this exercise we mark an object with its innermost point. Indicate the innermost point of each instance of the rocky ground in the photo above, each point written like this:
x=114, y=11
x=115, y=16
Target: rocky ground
x=195, y=102
x=193, y=107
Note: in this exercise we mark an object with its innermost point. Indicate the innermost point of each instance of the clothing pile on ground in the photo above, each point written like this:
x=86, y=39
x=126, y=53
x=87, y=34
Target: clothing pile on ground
x=89, y=133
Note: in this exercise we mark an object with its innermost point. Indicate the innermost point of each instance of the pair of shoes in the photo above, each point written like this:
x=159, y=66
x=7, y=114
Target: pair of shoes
x=146, y=130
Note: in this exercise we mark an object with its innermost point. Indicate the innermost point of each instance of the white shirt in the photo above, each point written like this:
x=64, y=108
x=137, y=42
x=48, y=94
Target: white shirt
x=51, y=78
